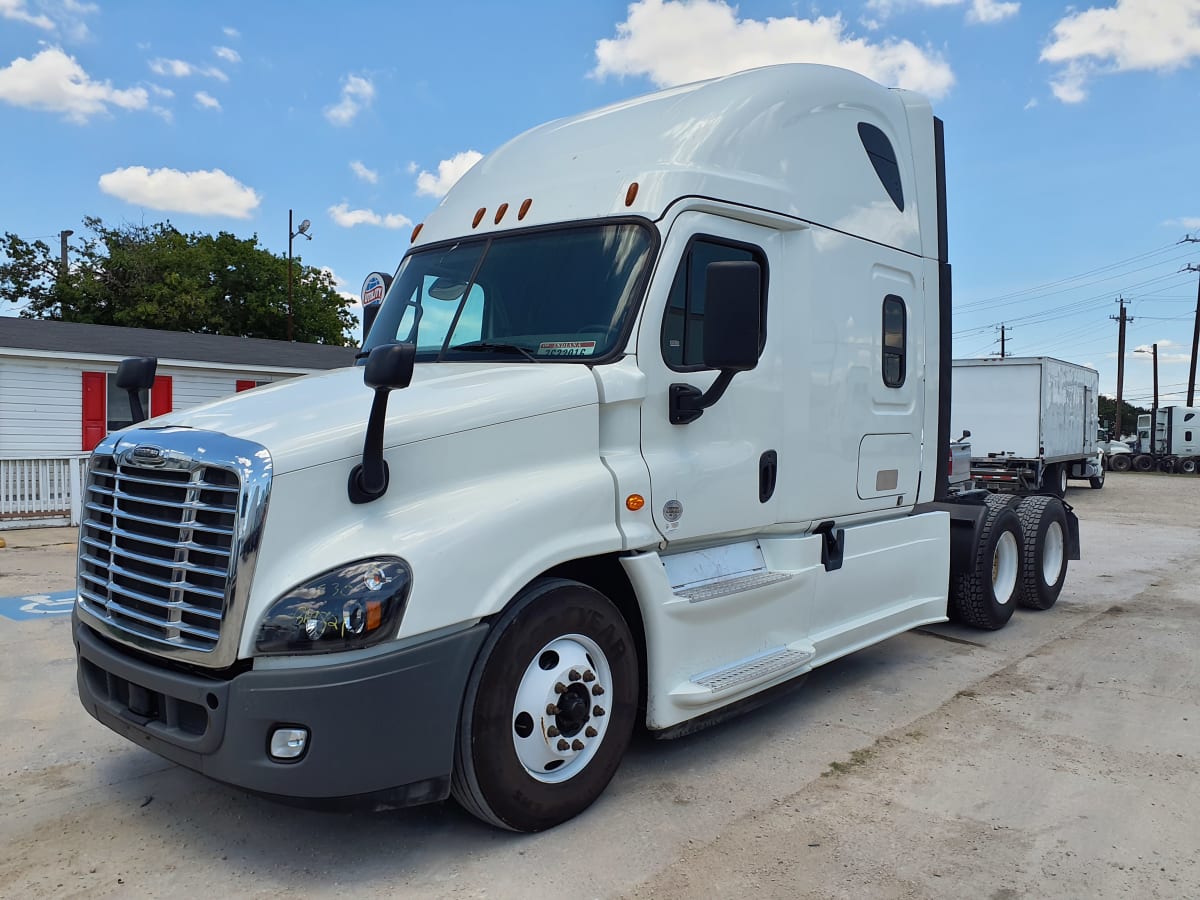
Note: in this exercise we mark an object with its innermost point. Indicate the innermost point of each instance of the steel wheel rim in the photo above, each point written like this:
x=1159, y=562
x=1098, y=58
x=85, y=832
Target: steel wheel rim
x=1052, y=553
x=1062, y=480
x=1004, y=568
x=545, y=718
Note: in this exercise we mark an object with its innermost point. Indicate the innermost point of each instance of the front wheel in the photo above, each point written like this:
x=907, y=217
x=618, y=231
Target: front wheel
x=1119, y=462
x=1043, y=551
x=549, y=708
x=1097, y=481
x=1188, y=466
x=983, y=591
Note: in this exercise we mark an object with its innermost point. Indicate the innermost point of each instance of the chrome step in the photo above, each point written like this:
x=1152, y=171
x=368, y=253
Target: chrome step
x=707, y=686
x=732, y=586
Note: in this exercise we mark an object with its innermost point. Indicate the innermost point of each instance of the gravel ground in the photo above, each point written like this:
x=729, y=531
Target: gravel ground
x=1055, y=758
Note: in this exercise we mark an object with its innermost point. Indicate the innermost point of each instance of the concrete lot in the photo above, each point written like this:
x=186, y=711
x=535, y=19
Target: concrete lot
x=1056, y=758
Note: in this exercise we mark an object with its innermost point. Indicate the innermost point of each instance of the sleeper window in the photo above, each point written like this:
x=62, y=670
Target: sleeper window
x=894, y=341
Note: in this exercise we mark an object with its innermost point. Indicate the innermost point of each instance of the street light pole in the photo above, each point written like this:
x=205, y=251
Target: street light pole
x=303, y=229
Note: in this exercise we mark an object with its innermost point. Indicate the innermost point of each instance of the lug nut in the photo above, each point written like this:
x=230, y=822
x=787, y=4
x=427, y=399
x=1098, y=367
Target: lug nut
x=560, y=688
x=590, y=732
x=597, y=710
x=551, y=710
x=574, y=675
x=597, y=690
x=589, y=675
x=563, y=745
x=551, y=731
x=577, y=744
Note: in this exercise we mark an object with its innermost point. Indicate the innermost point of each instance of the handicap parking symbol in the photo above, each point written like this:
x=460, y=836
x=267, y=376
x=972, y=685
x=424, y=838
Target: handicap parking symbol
x=37, y=606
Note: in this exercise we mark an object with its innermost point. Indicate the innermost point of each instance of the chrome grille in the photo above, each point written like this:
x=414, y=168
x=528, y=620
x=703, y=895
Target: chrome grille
x=157, y=550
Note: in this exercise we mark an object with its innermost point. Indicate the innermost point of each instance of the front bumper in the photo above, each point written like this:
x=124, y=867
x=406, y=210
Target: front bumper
x=382, y=730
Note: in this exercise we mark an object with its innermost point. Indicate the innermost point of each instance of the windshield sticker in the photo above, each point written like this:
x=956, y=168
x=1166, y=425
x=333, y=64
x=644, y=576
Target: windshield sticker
x=566, y=348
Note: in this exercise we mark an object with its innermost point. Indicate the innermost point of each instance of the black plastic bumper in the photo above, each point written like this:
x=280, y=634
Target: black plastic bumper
x=381, y=730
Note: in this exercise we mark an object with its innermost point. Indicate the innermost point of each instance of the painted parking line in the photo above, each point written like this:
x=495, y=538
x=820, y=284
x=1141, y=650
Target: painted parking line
x=37, y=606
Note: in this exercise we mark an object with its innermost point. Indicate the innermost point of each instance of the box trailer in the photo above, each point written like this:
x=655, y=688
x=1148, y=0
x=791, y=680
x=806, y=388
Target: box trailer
x=1033, y=422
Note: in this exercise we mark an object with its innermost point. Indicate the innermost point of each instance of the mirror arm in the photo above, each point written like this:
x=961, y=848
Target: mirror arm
x=369, y=479
x=688, y=403
x=135, y=406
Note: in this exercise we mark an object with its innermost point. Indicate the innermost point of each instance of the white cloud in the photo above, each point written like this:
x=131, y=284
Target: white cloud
x=18, y=11
x=346, y=217
x=207, y=100
x=988, y=12
x=1032, y=103
x=1188, y=222
x=228, y=54
x=677, y=41
x=160, y=91
x=231, y=32
x=54, y=81
x=178, y=68
x=368, y=175
x=357, y=94
x=412, y=168
x=1131, y=36
x=203, y=193
x=449, y=171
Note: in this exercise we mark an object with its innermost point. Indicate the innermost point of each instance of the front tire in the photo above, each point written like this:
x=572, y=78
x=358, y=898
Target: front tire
x=549, y=708
x=1043, y=551
x=1097, y=481
x=1120, y=462
x=983, y=593
x=1054, y=479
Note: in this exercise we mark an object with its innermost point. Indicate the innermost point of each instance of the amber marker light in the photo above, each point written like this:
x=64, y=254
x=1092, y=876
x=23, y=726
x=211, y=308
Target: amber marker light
x=500, y=211
x=634, y=502
x=416, y=231
x=478, y=216
x=631, y=194
x=524, y=208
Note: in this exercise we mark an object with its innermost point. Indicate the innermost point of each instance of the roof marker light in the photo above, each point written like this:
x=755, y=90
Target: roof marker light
x=416, y=231
x=631, y=194
x=478, y=217
x=524, y=208
x=500, y=211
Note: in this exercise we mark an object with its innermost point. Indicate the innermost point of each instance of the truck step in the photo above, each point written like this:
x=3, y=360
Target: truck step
x=707, y=686
x=732, y=586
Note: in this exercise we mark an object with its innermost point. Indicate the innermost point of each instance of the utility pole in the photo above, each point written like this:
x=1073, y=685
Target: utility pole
x=1195, y=329
x=1120, y=362
x=1003, y=334
x=62, y=236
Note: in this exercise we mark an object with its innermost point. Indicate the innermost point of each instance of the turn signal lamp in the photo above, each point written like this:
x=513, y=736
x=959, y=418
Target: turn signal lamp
x=634, y=502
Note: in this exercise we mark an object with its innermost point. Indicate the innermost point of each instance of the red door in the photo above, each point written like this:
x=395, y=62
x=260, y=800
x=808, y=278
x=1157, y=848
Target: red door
x=95, y=391
x=160, y=396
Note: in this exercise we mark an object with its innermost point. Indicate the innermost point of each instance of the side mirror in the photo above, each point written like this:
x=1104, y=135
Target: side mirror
x=732, y=326
x=134, y=375
x=389, y=368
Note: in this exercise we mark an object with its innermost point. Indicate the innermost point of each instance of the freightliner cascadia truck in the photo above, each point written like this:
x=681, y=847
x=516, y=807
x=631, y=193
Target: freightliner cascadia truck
x=571, y=488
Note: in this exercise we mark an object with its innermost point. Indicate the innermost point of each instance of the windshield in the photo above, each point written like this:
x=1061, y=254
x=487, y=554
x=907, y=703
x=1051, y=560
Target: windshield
x=558, y=295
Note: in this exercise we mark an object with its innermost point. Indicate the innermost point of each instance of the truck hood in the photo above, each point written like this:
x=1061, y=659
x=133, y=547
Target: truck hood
x=321, y=418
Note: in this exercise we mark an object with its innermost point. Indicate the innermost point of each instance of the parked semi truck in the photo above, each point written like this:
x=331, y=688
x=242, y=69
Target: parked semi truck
x=570, y=487
x=1168, y=439
x=1033, y=422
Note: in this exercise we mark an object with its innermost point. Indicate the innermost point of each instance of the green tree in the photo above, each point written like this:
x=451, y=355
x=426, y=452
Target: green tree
x=153, y=276
x=1107, y=409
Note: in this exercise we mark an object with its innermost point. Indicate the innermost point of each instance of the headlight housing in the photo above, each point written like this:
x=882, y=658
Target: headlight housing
x=346, y=608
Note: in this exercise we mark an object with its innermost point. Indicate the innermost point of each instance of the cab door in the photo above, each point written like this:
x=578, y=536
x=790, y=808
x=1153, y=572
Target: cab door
x=713, y=478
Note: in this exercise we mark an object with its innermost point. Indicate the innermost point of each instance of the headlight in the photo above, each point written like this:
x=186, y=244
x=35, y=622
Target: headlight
x=347, y=608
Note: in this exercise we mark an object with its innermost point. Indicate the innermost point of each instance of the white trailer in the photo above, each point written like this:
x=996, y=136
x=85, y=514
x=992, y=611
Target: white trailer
x=1033, y=422
x=572, y=487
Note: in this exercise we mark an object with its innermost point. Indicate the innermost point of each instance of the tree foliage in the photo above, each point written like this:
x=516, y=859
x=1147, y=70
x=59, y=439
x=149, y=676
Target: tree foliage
x=1107, y=408
x=153, y=276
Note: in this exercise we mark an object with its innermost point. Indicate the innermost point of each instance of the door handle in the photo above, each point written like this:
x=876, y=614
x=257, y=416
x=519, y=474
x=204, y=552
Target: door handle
x=768, y=473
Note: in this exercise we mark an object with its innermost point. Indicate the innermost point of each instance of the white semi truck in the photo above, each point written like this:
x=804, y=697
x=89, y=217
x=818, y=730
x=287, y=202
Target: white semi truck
x=1033, y=421
x=1170, y=444
x=571, y=488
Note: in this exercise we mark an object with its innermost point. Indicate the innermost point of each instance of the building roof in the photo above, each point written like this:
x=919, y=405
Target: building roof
x=108, y=340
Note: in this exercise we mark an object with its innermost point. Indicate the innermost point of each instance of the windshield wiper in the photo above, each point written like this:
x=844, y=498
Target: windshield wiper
x=482, y=346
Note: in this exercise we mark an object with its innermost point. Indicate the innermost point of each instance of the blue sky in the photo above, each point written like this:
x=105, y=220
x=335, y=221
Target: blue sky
x=1072, y=129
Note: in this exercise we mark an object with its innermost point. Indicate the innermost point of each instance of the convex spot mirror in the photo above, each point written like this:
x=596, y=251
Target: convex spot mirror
x=732, y=315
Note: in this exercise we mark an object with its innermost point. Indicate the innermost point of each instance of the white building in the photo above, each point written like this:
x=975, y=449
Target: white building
x=58, y=396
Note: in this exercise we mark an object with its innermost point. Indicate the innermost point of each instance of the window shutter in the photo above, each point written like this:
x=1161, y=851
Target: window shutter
x=243, y=385
x=161, y=401
x=95, y=390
